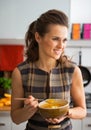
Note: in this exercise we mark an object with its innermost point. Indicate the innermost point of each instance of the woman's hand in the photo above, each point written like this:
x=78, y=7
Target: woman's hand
x=31, y=104
x=59, y=119
x=55, y=120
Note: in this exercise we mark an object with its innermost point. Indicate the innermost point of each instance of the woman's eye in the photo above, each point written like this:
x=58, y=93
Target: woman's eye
x=56, y=39
x=65, y=40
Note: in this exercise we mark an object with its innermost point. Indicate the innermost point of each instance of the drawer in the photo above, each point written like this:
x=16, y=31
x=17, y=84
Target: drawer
x=76, y=124
x=86, y=123
x=5, y=121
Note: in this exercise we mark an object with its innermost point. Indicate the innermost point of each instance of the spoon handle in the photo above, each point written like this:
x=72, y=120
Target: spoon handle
x=22, y=99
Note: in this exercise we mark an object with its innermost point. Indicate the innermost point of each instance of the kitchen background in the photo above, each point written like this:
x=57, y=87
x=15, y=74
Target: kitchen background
x=15, y=16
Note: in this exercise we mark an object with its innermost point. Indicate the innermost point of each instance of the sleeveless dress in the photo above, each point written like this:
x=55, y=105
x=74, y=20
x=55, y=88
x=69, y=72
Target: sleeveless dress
x=42, y=85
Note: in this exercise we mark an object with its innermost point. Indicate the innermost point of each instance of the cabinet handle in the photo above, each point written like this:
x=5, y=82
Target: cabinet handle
x=2, y=124
x=89, y=125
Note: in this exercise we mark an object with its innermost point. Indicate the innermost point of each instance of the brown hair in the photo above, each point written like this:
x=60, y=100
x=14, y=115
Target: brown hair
x=41, y=26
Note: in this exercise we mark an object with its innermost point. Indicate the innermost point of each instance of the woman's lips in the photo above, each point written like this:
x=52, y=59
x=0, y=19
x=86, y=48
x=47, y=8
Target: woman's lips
x=58, y=52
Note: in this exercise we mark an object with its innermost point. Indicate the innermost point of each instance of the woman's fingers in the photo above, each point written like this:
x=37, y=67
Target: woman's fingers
x=55, y=120
x=31, y=102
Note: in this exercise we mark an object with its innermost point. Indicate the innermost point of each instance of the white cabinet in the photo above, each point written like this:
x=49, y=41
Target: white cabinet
x=21, y=126
x=7, y=124
x=76, y=124
x=86, y=123
x=5, y=121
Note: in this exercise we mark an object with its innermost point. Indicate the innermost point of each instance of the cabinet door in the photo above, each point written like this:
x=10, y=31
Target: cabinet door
x=5, y=121
x=76, y=124
x=21, y=126
x=86, y=123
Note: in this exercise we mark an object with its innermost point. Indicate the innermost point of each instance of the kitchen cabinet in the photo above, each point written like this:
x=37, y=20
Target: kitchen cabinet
x=76, y=124
x=7, y=124
x=14, y=57
x=21, y=126
x=5, y=121
x=86, y=123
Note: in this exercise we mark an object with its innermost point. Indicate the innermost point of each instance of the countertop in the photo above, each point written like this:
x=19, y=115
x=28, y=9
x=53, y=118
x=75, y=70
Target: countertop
x=5, y=108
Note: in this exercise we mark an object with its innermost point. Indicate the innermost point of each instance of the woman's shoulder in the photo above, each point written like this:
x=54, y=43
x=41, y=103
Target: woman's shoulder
x=69, y=66
x=70, y=63
x=24, y=65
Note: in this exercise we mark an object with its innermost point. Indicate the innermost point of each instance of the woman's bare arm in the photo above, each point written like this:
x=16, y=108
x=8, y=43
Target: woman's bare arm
x=78, y=96
x=19, y=113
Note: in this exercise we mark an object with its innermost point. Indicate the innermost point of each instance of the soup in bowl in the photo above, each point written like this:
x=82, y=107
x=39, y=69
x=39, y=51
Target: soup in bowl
x=53, y=108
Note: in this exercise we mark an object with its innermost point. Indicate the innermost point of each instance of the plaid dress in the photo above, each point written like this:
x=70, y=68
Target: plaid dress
x=42, y=85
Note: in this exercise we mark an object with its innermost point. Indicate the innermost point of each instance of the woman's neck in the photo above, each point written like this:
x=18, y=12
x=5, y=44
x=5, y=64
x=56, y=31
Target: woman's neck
x=46, y=65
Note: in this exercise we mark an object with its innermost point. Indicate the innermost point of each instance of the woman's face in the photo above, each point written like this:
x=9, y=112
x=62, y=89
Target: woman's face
x=53, y=43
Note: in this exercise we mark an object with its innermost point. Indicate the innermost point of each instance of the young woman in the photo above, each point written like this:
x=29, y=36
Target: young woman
x=47, y=73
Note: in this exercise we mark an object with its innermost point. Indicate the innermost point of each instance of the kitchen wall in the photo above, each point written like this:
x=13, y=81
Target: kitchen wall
x=80, y=11
x=15, y=16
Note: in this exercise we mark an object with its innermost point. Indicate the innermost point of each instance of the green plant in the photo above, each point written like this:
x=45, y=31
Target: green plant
x=5, y=83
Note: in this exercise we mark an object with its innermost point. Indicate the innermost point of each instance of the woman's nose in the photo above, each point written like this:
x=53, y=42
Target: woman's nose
x=60, y=44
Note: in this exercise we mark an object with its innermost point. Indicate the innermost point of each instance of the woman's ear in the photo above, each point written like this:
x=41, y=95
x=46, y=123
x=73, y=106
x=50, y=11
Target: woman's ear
x=37, y=37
